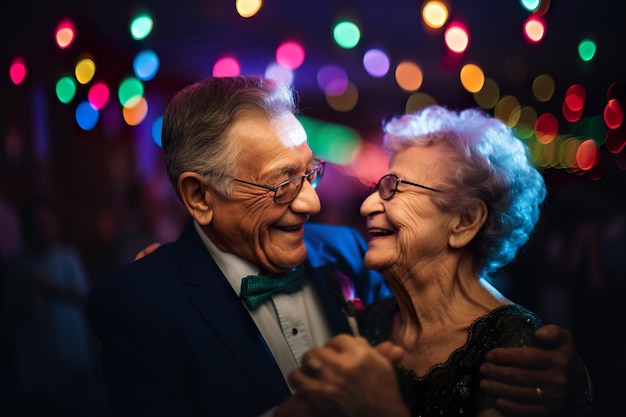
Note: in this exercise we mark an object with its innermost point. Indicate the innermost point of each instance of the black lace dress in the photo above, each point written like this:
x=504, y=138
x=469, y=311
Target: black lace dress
x=452, y=388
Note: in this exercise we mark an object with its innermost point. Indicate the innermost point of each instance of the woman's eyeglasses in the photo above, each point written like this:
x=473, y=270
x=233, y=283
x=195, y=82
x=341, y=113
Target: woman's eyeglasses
x=388, y=185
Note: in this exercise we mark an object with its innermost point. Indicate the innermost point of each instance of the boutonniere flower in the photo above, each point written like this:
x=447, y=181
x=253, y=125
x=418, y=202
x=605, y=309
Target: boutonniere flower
x=350, y=304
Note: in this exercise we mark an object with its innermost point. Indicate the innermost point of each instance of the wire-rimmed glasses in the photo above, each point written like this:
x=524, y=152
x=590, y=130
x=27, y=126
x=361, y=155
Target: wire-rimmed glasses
x=288, y=190
x=388, y=185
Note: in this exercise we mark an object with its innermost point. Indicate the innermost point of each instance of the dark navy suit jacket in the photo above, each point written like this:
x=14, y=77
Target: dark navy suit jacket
x=176, y=339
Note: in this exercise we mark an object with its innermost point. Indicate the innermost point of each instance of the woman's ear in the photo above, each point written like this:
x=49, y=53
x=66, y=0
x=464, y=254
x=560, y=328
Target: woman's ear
x=468, y=225
x=199, y=203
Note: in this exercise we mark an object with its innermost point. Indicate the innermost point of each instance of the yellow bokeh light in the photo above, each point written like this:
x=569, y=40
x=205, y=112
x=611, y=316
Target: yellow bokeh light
x=525, y=127
x=543, y=87
x=435, y=14
x=248, y=8
x=472, y=78
x=85, y=70
x=418, y=101
x=508, y=110
x=488, y=96
x=345, y=101
x=409, y=76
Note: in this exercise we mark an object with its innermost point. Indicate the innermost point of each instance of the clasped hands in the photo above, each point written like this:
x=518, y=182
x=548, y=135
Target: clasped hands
x=347, y=377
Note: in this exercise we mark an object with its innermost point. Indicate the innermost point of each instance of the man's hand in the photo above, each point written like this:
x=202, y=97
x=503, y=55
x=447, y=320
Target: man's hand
x=547, y=380
x=147, y=250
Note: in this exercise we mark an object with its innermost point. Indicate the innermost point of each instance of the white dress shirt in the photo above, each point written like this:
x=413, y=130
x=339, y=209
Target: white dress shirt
x=291, y=324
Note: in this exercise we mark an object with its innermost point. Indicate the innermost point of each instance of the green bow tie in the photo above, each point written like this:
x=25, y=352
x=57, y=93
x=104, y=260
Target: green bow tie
x=257, y=288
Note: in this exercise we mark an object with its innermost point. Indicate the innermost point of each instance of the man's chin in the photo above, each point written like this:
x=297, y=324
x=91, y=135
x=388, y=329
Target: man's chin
x=293, y=258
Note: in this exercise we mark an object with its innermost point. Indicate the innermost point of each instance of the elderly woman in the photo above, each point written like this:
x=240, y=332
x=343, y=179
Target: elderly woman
x=459, y=200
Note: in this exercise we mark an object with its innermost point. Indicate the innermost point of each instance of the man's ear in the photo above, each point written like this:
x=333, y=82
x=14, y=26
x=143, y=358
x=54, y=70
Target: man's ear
x=468, y=224
x=199, y=203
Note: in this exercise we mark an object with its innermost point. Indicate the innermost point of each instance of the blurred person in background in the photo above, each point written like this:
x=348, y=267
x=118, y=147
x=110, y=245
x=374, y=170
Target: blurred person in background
x=49, y=348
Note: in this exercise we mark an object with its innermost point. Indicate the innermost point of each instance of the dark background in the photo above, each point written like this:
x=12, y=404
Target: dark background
x=114, y=199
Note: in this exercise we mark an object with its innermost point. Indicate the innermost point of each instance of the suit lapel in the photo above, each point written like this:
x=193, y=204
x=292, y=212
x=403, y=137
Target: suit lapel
x=226, y=315
x=320, y=267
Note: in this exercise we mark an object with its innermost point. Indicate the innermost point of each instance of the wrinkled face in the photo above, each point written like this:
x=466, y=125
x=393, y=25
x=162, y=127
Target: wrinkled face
x=408, y=229
x=249, y=223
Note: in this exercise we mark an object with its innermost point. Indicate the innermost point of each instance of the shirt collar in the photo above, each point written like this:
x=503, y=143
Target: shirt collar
x=232, y=266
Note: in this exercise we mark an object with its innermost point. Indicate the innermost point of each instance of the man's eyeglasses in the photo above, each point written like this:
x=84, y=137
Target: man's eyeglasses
x=288, y=190
x=388, y=185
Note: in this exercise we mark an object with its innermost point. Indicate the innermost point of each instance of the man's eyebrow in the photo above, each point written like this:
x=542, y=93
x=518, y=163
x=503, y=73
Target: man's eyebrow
x=279, y=172
x=291, y=169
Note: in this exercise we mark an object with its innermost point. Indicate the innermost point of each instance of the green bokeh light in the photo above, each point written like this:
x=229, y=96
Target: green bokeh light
x=140, y=27
x=587, y=49
x=65, y=89
x=346, y=34
x=130, y=92
x=332, y=142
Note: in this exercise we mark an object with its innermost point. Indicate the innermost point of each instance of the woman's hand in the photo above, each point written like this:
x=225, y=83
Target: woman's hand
x=147, y=250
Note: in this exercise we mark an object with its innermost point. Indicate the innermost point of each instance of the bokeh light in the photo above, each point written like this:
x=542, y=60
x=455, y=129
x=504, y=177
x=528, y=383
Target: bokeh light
x=370, y=163
x=86, y=116
x=525, y=127
x=65, y=33
x=530, y=5
x=333, y=142
x=156, y=130
x=98, y=95
x=248, y=8
x=65, y=89
x=345, y=101
x=280, y=73
x=587, y=49
x=409, y=76
x=418, y=101
x=574, y=103
x=534, y=29
x=332, y=80
x=376, y=63
x=613, y=114
x=546, y=128
x=472, y=78
x=489, y=95
x=508, y=110
x=290, y=55
x=435, y=14
x=587, y=155
x=146, y=65
x=544, y=6
x=575, y=97
x=615, y=140
x=456, y=37
x=569, y=114
x=17, y=71
x=141, y=26
x=135, y=114
x=226, y=67
x=346, y=34
x=130, y=91
x=543, y=87
x=85, y=70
